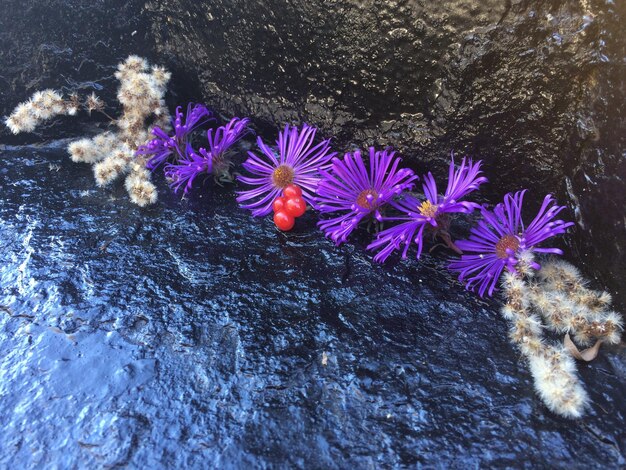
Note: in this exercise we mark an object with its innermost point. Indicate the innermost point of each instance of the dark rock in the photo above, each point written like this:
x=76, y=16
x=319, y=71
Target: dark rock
x=197, y=335
x=533, y=88
x=192, y=335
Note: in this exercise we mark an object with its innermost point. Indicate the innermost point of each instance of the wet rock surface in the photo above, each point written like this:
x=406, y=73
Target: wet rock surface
x=536, y=89
x=189, y=334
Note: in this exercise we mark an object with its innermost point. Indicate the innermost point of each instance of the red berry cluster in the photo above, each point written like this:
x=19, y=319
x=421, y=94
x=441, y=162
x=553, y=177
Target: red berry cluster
x=287, y=207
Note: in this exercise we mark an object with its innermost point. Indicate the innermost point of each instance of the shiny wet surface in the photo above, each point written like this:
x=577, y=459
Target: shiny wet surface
x=191, y=335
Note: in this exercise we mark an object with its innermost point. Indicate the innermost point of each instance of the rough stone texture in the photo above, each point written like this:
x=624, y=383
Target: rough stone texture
x=190, y=335
x=533, y=88
x=536, y=89
x=189, y=345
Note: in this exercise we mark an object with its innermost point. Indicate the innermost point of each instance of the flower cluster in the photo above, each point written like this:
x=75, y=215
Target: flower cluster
x=298, y=161
x=349, y=188
x=141, y=95
x=300, y=171
x=501, y=240
x=431, y=214
x=182, y=163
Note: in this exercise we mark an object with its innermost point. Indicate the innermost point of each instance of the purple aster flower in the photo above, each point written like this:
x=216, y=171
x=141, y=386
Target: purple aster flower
x=432, y=214
x=500, y=240
x=165, y=145
x=188, y=167
x=223, y=139
x=190, y=163
x=298, y=161
x=356, y=192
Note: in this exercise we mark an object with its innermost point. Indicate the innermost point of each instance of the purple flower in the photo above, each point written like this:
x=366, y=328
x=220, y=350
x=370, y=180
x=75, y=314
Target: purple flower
x=187, y=168
x=190, y=164
x=433, y=213
x=298, y=161
x=500, y=240
x=410, y=229
x=164, y=145
x=223, y=139
x=349, y=188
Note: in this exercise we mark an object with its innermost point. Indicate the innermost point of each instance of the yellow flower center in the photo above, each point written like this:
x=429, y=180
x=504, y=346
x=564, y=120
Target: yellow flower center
x=362, y=201
x=428, y=209
x=282, y=176
x=507, y=242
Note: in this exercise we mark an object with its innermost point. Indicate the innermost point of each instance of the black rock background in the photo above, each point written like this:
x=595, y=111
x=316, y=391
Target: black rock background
x=536, y=89
x=414, y=375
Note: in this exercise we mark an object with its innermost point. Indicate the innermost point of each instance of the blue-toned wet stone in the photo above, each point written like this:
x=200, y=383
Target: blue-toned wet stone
x=533, y=88
x=192, y=335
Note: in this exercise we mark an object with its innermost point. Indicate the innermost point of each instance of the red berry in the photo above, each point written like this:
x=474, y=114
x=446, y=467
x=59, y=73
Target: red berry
x=295, y=206
x=291, y=191
x=284, y=221
x=279, y=203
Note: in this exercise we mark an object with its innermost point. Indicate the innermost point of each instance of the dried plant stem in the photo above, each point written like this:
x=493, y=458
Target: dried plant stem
x=112, y=154
x=107, y=115
x=560, y=295
x=552, y=367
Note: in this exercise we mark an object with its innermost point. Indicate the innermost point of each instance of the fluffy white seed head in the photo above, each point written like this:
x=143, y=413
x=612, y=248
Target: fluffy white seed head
x=141, y=190
x=137, y=169
x=542, y=301
x=105, y=143
x=508, y=311
x=94, y=103
x=557, y=384
x=105, y=172
x=525, y=328
x=525, y=265
x=161, y=77
x=46, y=104
x=513, y=284
x=137, y=89
x=22, y=119
x=614, y=327
x=15, y=125
x=531, y=346
x=123, y=152
x=83, y=151
x=605, y=299
x=558, y=269
x=133, y=64
x=113, y=166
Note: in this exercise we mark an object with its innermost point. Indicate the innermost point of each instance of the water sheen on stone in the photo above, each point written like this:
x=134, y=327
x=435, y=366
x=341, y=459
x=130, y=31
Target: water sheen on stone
x=190, y=335
x=533, y=88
